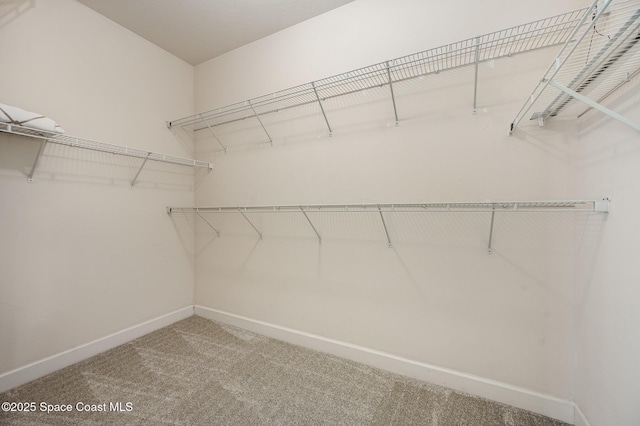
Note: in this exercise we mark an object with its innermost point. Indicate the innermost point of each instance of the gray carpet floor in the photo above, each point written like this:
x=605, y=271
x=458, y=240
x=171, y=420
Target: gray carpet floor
x=200, y=372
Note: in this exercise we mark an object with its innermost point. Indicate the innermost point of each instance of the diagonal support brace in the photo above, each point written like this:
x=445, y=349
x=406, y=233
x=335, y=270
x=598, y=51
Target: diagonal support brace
x=393, y=98
x=322, y=108
x=310, y=223
x=260, y=121
x=133, y=182
x=493, y=215
x=207, y=222
x=384, y=224
x=213, y=133
x=252, y=225
x=595, y=105
x=36, y=161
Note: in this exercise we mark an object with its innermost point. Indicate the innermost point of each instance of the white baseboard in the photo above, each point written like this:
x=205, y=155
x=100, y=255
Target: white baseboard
x=580, y=418
x=526, y=399
x=22, y=375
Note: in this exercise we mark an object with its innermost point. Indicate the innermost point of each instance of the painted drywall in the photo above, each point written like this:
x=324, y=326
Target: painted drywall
x=606, y=160
x=436, y=296
x=356, y=35
x=81, y=254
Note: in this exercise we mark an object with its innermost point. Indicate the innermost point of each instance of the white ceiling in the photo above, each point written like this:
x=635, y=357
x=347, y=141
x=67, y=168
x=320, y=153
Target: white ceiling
x=198, y=30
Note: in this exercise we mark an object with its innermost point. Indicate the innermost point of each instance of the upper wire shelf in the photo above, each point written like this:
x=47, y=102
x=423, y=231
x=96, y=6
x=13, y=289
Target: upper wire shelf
x=522, y=38
x=601, y=55
x=75, y=142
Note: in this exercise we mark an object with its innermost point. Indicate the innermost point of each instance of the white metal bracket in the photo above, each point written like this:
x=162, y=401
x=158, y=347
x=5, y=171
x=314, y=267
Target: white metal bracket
x=35, y=162
x=493, y=215
x=313, y=84
x=384, y=224
x=250, y=223
x=133, y=182
x=207, y=222
x=602, y=206
x=261, y=124
x=310, y=223
x=393, y=97
x=213, y=133
x=595, y=105
x=475, y=81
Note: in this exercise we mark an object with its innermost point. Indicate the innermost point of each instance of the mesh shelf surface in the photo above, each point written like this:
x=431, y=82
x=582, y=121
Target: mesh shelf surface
x=601, y=55
x=63, y=139
x=518, y=39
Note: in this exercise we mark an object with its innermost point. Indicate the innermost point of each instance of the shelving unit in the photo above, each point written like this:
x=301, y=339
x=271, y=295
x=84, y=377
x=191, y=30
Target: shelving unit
x=71, y=141
x=601, y=55
x=493, y=207
x=466, y=53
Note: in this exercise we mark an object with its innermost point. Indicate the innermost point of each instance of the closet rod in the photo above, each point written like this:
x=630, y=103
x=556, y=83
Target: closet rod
x=598, y=206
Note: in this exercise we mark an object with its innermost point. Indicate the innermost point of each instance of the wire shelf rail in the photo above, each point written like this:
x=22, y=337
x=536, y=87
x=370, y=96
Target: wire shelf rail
x=470, y=52
x=75, y=142
x=493, y=207
x=601, y=55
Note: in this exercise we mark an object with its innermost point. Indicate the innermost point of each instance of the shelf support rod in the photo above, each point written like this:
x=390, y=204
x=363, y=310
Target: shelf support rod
x=313, y=84
x=384, y=224
x=260, y=121
x=247, y=219
x=558, y=63
x=133, y=182
x=595, y=105
x=37, y=160
x=213, y=133
x=475, y=82
x=310, y=223
x=207, y=222
x=493, y=215
x=393, y=98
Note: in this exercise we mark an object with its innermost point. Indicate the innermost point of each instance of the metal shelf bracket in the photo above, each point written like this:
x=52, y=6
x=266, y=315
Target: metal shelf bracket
x=595, y=105
x=224, y=148
x=475, y=80
x=313, y=84
x=493, y=215
x=393, y=98
x=250, y=223
x=260, y=121
x=135, y=178
x=384, y=224
x=35, y=162
x=207, y=222
x=310, y=223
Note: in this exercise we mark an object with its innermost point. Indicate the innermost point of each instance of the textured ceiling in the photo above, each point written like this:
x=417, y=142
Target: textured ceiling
x=198, y=30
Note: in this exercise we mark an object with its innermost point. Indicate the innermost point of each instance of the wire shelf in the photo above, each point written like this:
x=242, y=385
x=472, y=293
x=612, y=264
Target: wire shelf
x=72, y=141
x=382, y=210
x=443, y=207
x=602, y=54
x=470, y=52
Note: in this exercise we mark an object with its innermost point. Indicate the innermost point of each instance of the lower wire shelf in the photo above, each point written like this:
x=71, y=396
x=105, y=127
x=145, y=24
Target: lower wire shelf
x=493, y=207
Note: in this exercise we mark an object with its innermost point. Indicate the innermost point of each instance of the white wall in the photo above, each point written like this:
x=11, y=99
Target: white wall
x=356, y=35
x=606, y=160
x=436, y=296
x=81, y=254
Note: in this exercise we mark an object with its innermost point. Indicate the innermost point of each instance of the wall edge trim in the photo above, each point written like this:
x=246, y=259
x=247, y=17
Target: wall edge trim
x=40, y=368
x=505, y=393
